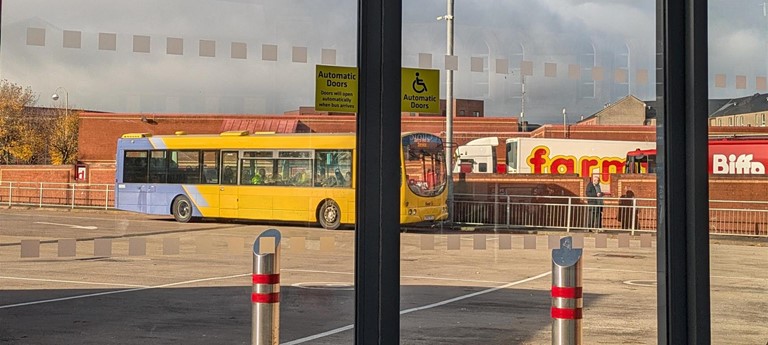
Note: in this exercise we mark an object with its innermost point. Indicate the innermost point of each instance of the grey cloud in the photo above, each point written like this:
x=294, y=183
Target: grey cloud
x=611, y=34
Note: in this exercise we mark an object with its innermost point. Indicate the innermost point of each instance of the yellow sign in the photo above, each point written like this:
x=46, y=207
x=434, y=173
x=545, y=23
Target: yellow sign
x=421, y=90
x=336, y=89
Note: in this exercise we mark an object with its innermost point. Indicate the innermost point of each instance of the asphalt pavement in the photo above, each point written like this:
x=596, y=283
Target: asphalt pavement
x=103, y=277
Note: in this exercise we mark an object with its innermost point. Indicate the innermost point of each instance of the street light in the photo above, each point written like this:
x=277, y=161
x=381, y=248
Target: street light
x=56, y=97
x=565, y=135
x=449, y=109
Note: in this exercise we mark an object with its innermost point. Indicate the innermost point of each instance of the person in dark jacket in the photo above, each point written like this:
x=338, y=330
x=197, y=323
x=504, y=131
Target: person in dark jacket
x=595, y=212
x=626, y=210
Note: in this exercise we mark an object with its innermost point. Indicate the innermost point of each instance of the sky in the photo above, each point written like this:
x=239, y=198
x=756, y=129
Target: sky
x=594, y=36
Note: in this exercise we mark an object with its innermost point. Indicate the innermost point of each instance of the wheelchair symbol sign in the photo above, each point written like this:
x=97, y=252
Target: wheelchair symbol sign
x=418, y=84
x=421, y=90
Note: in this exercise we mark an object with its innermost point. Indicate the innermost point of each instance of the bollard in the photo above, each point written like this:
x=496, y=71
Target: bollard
x=566, y=294
x=265, y=295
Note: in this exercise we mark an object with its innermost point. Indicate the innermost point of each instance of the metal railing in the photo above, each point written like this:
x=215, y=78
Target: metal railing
x=727, y=217
x=46, y=194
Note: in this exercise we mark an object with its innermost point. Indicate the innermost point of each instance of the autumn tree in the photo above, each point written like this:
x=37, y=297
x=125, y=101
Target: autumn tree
x=62, y=140
x=19, y=139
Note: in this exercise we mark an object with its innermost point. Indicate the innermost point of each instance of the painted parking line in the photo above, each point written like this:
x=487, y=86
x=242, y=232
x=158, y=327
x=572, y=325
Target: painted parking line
x=73, y=226
x=429, y=306
x=8, y=306
x=404, y=276
x=72, y=282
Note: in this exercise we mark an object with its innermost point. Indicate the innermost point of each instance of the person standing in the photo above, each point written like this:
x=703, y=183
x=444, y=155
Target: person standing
x=627, y=210
x=595, y=212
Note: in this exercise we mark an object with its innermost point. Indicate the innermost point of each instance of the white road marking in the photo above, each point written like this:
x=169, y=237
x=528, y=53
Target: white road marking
x=71, y=282
x=89, y=227
x=654, y=273
x=411, y=277
x=429, y=306
x=120, y=291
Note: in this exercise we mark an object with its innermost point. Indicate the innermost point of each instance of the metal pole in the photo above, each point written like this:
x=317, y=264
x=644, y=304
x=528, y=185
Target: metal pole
x=10, y=193
x=449, y=111
x=41, y=195
x=509, y=211
x=73, y=195
x=522, y=99
x=265, y=294
x=634, y=215
x=565, y=135
x=566, y=310
x=568, y=218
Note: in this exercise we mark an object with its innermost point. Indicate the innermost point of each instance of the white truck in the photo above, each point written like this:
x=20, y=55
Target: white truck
x=583, y=157
x=478, y=155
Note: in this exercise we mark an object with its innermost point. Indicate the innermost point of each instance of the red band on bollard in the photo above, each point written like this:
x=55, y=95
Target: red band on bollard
x=566, y=313
x=566, y=292
x=265, y=297
x=266, y=278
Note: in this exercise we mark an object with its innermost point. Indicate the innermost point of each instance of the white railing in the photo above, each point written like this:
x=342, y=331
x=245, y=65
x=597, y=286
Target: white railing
x=727, y=217
x=45, y=194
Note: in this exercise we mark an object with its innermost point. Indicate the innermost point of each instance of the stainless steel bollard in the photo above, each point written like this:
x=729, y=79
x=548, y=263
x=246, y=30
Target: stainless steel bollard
x=566, y=294
x=265, y=295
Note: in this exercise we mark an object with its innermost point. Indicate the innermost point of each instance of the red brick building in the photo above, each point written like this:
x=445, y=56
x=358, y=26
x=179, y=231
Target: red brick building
x=99, y=132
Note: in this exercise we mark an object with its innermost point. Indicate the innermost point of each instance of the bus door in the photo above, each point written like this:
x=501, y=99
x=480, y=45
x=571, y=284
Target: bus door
x=228, y=188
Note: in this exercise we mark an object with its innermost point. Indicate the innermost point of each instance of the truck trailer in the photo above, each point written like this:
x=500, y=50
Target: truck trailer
x=583, y=157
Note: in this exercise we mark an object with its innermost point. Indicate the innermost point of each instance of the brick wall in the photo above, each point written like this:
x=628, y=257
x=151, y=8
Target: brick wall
x=99, y=132
x=629, y=111
x=37, y=173
x=519, y=184
x=624, y=132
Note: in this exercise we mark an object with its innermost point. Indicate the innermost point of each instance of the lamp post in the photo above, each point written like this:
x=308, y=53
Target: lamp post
x=56, y=97
x=449, y=111
x=565, y=135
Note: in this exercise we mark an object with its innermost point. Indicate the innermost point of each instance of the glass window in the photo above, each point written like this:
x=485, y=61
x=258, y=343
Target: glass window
x=258, y=154
x=295, y=172
x=135, y=167
x=258, y=172
x=295, y=154
x=229, y=168
x=184, y=167
x=211, y=167
x=158, y=167
x=333, y=168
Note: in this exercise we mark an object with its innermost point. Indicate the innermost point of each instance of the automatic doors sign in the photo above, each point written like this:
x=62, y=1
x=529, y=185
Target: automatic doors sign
x=336, y=89
x=421, y=90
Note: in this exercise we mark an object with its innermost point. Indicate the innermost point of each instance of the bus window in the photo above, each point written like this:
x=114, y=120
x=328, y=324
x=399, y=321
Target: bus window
x=229, y=168
x=158, y=167
x=184, y=167
x=256, y=171
x=211, y=167
x=295, y=172
x=333, y=168
x=135, y=167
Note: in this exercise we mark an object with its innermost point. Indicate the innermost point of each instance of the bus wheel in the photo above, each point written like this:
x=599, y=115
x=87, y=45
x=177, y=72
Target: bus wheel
x=182, y=209
x=329, y=215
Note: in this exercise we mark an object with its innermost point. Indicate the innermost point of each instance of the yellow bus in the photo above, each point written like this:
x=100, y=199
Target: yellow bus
x=267, y=176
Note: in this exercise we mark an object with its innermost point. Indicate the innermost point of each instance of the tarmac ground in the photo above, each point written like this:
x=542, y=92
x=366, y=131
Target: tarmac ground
x=104, y=277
